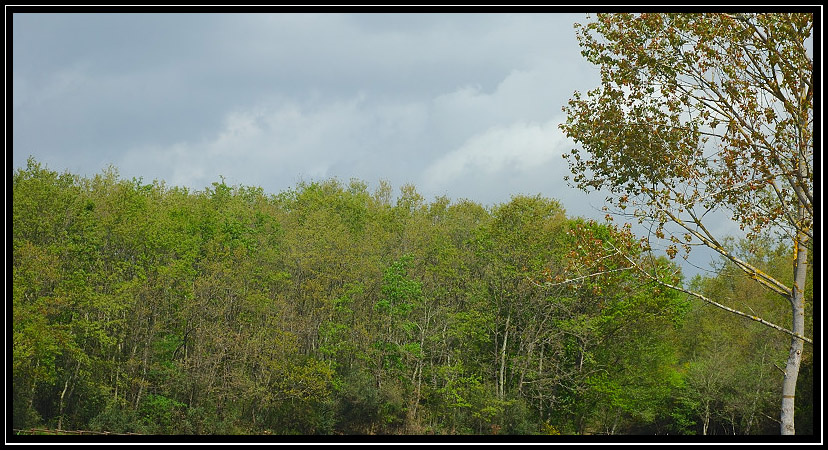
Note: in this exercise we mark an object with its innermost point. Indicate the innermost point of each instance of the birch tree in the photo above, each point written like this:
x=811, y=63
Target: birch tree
x=703, y=115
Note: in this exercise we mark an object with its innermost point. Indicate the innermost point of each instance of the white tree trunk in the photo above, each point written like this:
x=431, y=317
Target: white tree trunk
x=503, y=360
x=798, y=327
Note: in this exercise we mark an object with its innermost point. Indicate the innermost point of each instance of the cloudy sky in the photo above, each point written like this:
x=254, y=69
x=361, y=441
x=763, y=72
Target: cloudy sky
x=462, y=105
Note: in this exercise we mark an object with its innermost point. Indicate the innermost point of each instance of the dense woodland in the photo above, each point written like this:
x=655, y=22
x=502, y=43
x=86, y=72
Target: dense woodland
x=330, y=308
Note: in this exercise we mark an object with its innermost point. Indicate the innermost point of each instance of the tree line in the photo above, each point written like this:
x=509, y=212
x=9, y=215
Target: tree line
x=330, y=308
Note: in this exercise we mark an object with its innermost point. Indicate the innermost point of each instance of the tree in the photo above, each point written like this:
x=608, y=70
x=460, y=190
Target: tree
x=616, y=326
x=700, y=114
x=748, y=358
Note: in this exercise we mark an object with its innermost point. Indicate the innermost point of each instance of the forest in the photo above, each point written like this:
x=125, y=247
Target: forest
x=331, y=308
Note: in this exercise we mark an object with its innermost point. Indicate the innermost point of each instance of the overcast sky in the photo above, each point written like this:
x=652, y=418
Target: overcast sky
x=462, y=105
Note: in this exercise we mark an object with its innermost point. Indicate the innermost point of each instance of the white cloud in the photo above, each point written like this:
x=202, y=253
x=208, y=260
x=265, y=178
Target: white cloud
x=521, y=147
x=442, y=144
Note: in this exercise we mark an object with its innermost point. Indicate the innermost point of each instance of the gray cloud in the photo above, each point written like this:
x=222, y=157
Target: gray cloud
x=103, y=82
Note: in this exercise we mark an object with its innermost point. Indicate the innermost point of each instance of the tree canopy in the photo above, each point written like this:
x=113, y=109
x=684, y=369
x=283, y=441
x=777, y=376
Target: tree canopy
x=332, y=309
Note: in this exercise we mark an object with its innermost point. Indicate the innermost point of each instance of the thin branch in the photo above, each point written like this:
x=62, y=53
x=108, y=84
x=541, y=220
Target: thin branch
x=756, y=274
x=714, y=303
x=772, y=48
x=788, y=214
x=548, y=284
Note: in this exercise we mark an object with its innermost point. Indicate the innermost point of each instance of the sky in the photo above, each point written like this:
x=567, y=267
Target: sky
x=459, y=105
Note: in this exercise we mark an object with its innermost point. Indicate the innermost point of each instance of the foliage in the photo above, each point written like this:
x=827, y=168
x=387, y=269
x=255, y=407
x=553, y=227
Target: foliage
x=328, y=309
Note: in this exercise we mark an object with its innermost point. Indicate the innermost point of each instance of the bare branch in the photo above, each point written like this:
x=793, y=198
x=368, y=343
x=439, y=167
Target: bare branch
x=714, y=303
x=756, y=274
x=548, y=284
x=726, y=308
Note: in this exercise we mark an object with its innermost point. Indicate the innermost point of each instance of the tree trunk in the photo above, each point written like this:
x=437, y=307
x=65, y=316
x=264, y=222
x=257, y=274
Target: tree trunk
x=144, y=364
x=798, y=327
x=706, y=418
x=60, y=407
x=63, y=396
x=502, y=389
x=615, y=421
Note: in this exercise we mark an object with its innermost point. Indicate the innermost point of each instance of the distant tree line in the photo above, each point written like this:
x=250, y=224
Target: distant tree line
x=331, y=309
